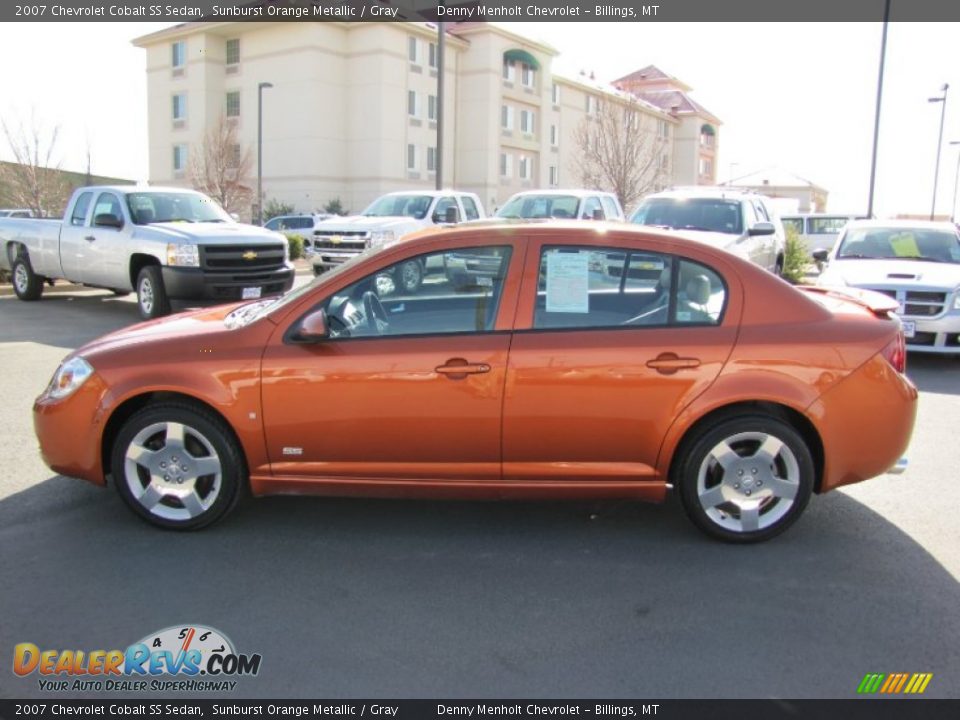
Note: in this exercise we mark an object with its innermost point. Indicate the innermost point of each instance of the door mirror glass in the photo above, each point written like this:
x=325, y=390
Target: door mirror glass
x=763, y=228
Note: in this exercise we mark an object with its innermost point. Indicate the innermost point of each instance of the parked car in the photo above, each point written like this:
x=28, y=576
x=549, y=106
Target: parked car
x=817, y=231
x=741, y=222
x=917, y=263
x=16, y=213
x=547, y=382
x=162, y=243
x=573, y=204
x=387, y=219
x=302, y=225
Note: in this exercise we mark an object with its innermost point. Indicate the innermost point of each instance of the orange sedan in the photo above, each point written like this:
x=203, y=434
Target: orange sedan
x=550, y=361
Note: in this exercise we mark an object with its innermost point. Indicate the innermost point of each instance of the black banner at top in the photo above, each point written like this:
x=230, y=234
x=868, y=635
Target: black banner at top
x=455, y=11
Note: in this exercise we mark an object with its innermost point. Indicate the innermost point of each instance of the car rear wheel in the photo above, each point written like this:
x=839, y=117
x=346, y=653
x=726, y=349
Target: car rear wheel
x=177, y=467
x=745, y=479
x=152, y=297
x=26, y=283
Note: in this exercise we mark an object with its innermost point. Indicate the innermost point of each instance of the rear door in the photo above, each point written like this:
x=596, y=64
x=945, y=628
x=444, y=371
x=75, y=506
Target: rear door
x=612, y=341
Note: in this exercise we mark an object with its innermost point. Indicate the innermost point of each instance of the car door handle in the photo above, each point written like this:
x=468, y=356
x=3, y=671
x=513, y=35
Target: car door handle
x=90, y=238
x=668, y=363
x=458, y=368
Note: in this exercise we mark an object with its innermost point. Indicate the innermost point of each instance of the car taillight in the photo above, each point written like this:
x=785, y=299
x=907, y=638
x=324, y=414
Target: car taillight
x=896, y=353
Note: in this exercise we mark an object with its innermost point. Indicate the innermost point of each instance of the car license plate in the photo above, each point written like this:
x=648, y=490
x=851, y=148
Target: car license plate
x=909, y=328
x=251, y=293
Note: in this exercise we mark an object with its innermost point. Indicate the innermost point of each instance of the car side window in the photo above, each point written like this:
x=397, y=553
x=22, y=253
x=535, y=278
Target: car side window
x=605, y=288
x=610, y=207
x=79, y=214
x=592, y=208
x=470, y=208
x=459, y=292
x=762, y=212
x=108, y=204
x=443, y=205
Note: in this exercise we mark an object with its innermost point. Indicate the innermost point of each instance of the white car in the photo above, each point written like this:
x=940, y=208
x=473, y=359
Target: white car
x=740, y=222
x=570, y=204
x=915, y=262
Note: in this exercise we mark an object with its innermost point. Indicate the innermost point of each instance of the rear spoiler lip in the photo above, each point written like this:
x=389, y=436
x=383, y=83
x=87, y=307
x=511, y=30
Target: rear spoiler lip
x=875, y=302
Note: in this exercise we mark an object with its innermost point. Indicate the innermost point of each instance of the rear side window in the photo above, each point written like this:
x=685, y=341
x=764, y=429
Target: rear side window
x=470, y=208
x=795, y=223
x=592, y=208
x=80, y=209
x=613, y=213
x=606, y=288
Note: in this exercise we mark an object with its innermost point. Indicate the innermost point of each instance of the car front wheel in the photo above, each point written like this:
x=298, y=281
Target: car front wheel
x=176, y=466
x=152, y=297
x=745, y=479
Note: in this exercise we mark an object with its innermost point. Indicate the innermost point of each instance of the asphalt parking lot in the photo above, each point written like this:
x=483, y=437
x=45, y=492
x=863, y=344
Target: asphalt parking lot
x=361, y=598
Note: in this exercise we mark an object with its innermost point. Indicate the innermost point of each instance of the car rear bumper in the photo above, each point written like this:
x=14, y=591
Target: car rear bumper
x=198, y=284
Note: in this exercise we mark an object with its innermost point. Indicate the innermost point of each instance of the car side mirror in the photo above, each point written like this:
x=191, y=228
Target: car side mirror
x=313, y=328
x=108, y=220
x=821, y=255
x=762, y=228
x=450, y=216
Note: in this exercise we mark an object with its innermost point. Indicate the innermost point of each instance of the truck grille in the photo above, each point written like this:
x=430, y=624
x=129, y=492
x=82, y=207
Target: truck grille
x=917, y=303
x=345, y=240
x=232, y=258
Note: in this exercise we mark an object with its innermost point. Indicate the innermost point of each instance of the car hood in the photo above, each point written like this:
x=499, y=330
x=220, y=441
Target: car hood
x=363, y=222
x=206, y=233
x=892, y=272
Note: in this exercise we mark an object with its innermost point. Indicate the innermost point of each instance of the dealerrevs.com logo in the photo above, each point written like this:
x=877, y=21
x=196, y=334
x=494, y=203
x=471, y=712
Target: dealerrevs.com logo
x=187, y=658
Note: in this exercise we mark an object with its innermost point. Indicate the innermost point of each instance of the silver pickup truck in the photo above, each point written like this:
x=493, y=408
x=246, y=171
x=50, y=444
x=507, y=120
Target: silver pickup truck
x=164, y=243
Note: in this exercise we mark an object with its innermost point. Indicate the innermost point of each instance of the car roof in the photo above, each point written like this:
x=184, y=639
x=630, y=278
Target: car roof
x=708, y=191
x=557, y=191
x=431, y=193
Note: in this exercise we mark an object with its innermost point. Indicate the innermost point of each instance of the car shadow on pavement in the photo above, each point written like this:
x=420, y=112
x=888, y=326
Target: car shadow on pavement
x=935, y=373
x=360, y=598
x=66, y=320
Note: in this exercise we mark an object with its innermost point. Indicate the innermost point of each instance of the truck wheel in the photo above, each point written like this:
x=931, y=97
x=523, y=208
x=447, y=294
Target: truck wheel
x=26, y=283
x=409, y=276
x=151, y=295
x=120, y=293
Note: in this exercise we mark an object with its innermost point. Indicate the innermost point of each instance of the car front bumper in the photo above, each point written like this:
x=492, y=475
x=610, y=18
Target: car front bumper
x=938, y=335
x=198, y=284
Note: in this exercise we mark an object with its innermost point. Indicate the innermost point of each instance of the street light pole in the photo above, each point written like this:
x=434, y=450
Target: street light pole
x=441, y=69
x=876, y=113
x=260, y=89
x=956, y=178
x=936, y=170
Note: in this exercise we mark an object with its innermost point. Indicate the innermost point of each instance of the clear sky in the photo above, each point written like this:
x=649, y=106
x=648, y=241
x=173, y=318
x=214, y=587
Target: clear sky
x=797, y=96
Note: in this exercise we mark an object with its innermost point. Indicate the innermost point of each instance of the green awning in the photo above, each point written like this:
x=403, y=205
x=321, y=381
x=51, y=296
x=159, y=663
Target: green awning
x=522, y=56
x=706, y=129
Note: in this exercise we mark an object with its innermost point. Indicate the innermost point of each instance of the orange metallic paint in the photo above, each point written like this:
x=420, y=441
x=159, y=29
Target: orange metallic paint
x=558, y=414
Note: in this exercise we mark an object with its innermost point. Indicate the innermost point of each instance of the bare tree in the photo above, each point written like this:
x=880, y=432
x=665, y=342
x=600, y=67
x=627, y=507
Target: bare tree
x=620, y=149
x=33, y=180
x=221, y=168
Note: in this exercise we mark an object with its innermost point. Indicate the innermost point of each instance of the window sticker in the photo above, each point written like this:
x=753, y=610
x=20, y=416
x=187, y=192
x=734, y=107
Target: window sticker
x=568, y=283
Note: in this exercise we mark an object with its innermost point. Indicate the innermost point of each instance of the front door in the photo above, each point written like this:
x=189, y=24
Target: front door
x=106, y=260
x=408, y=385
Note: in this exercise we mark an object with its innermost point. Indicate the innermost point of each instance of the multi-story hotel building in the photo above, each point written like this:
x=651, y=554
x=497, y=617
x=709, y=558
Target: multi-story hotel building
x=352, y=111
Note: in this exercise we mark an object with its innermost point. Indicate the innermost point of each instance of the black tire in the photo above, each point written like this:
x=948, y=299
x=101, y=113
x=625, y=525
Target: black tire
x=26, y=283
x=120, y=293
x=408, y=277
x=205, y=438
x=739, y=480
x=152, y=300
x=778, y=266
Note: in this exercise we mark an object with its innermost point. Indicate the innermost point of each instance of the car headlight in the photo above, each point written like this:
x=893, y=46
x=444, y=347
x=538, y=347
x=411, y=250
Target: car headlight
x=381, y=237
x=183, y=255
x=69, y=377
x=956, y=299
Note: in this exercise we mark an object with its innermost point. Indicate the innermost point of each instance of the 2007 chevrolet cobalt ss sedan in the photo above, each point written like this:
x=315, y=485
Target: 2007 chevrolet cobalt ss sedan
x=534, y=361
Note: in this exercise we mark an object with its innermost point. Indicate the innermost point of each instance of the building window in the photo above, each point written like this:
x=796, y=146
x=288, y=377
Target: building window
x=233, y=103
x=527, y=118
x=432, y=107
x=412, y=106
x=411, y=157
x=554, y=136
x=431, y=159
x=526, y=168
x=233, y=156
x=412, y=50
x=433, y=55
x=233, y=51
x=555, y=94
x=706, y=167
x=663, y=128
x=526, y=75
x=180, y=107
x=506, y=165
x=179, y=158
x=554, y=175
x=506, y=117
x=593, y=105
x=178, y=57
x=509, y=71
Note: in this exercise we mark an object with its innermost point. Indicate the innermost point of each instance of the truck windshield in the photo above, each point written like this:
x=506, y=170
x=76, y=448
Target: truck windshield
x=708, y=214
x=164, y=207
x=895, y=243
x=414, y=206
x=541, y=206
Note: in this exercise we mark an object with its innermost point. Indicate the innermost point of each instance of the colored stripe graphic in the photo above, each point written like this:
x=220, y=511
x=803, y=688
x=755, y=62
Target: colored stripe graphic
x=894, y=683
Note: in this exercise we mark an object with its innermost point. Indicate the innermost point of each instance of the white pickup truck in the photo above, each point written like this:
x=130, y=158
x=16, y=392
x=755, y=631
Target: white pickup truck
x=388, y=218
x=163, y=243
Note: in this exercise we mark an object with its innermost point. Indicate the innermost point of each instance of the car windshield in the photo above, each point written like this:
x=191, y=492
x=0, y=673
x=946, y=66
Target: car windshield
x=705, y=214
x=541, y=206
x=414, y=206
x=161, y=207
x=900, y=244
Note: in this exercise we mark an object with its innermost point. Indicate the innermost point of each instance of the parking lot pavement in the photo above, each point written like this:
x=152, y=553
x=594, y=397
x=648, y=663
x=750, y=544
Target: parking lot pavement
x=349, y=598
